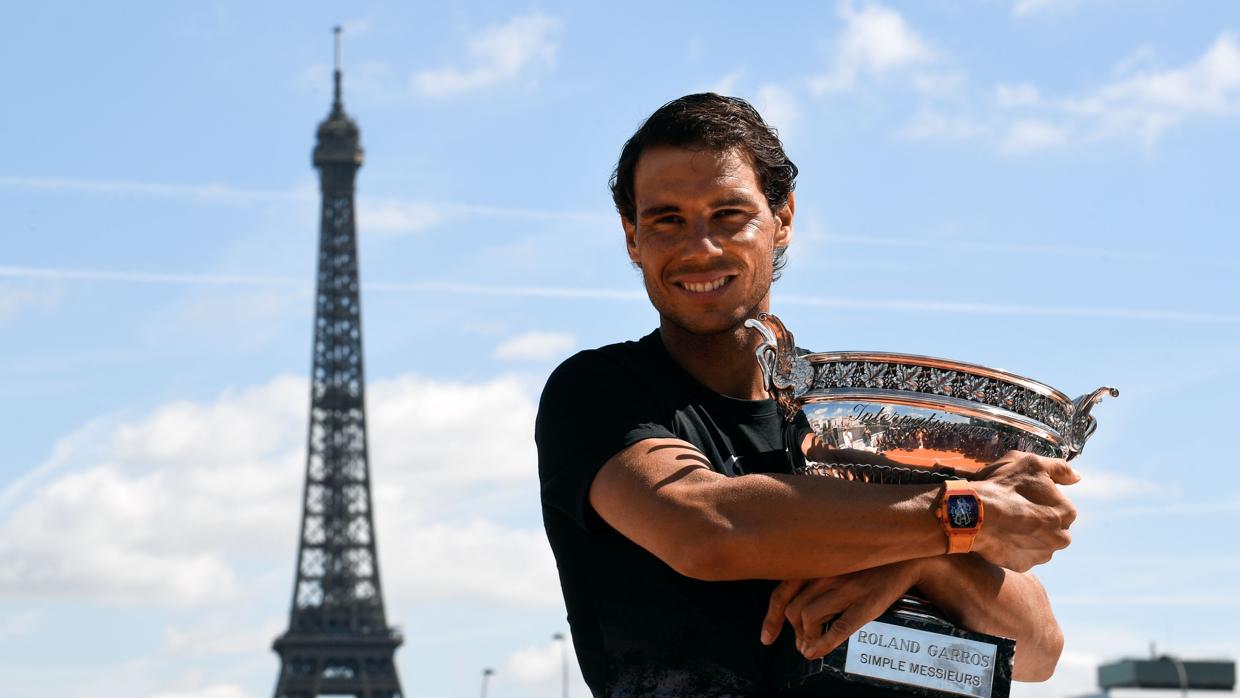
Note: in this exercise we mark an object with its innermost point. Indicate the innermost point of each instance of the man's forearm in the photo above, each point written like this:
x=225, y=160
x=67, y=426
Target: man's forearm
x=784, y=527
x=989, y=599
x=663, y=495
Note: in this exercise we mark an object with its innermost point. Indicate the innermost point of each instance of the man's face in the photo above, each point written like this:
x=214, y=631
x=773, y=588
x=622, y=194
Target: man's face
x=704, y=237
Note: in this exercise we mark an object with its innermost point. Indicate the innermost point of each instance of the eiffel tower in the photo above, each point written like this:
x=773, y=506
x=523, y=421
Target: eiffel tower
x=338, y=641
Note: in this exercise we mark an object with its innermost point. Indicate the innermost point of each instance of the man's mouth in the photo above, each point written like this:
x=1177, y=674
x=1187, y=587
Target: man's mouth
x=705, y=286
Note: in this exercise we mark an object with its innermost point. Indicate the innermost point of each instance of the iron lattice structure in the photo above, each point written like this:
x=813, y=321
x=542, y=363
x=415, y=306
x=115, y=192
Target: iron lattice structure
x=338, y=641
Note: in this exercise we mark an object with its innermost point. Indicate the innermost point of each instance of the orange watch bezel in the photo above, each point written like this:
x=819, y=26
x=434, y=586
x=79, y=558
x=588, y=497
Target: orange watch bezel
x=959, y=540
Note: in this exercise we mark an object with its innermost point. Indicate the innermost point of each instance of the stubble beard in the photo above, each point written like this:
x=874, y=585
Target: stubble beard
x=735, y=328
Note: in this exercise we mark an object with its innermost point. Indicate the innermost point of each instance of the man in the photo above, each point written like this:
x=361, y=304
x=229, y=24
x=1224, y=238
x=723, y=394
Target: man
x=665, y=467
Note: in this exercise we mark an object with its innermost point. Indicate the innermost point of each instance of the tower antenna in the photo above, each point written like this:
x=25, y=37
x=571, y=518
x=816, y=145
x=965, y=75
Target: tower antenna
x=336, y=100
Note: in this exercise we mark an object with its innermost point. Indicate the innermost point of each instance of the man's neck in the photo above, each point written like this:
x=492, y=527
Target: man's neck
x=722, y=362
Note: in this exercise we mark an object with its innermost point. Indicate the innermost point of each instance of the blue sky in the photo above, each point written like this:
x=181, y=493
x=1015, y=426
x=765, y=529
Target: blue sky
x=1042, y=185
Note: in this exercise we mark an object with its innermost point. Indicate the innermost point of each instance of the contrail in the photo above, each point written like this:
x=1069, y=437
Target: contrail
x=223, y=193
x=590, y=293
x=207, y=192
x=1022, y=248
x=1015, y=310
x=524, y=291
x=52, y=273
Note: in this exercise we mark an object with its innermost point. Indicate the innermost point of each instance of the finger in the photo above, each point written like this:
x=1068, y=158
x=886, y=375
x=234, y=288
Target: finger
x=1065, y=539
x=818, y=611
x=805, y=642
x=774, y=620
x=808, y=593
x=841, y=629
x=815, y=614
x=1060, y=472
x=1068, y=517
x=793, y=613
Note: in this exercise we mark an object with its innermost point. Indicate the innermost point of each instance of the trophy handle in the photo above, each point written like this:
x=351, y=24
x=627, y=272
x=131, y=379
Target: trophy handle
x=1083, y=424
x=786, y=375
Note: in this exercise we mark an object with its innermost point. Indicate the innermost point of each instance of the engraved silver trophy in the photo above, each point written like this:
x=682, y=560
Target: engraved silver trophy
x=901, y=419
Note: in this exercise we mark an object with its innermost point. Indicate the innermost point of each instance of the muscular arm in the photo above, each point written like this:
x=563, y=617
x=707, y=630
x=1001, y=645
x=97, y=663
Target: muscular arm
x=989, y=599
x=663, y=495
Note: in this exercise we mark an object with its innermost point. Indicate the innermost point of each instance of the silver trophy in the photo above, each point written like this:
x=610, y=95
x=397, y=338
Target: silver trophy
x=880, y=418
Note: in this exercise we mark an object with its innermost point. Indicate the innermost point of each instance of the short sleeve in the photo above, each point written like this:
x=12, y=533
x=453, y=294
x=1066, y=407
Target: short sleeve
x=592, y=407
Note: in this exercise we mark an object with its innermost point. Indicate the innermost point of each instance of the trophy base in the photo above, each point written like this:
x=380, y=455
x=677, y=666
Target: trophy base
x=908, y=651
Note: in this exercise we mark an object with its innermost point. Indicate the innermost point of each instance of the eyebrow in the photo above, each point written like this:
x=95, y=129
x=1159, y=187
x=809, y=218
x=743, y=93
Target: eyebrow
x=726, y=202
x=659, y=210
x=730, y=201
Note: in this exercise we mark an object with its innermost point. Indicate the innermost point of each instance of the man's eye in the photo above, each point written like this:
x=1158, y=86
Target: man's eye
x=668, y=219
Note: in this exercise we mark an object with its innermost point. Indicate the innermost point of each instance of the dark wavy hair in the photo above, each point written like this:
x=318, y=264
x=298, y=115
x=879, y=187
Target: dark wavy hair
x=714, y=122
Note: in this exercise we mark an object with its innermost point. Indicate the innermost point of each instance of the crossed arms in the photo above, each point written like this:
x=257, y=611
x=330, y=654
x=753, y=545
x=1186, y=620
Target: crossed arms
x=847, y=550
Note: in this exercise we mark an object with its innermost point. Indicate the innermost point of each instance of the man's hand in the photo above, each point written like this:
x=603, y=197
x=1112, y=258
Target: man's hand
x=848, y=602
x=1026, y=515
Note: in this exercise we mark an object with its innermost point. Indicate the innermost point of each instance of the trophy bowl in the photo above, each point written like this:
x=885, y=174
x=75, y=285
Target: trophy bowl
x=887, y=418
x=901, y=418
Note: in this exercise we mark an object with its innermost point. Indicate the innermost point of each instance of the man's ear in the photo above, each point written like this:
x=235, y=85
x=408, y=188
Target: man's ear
x=783, y=234
x=630, y=238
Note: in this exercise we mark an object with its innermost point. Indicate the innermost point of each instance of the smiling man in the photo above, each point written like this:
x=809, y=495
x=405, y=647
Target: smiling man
x=683, y=541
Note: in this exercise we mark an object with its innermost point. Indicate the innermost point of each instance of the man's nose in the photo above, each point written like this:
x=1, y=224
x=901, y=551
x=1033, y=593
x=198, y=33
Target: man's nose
x=703, y=239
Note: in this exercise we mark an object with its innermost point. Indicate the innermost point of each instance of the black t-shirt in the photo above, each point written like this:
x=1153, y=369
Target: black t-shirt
x=639, y=627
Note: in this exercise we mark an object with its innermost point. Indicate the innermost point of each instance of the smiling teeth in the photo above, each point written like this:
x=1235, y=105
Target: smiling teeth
x=706, y=287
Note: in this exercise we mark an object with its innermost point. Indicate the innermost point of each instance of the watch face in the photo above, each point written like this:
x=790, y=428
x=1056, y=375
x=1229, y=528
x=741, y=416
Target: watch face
x=962, y=510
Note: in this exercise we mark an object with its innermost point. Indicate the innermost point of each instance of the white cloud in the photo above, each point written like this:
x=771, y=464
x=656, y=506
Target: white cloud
x=1020, y=95
x=939, y=83
x=541, y=668
x=215, y=636
x=1108, y=485
x=1028, y=135
x=875, y=41
x=395, y=217
x=1028, y=8
x=1075, y=675
x=15, y=299
x=184, y=505
x=154, y=510
x=934, y=125
x=500, y=54
x=1142, y=106
x=1145, y=105
x=536, y=664
x=779, y=107
x=536, y=346
x=477, y=560
x=726, y=85
x=1142, y=58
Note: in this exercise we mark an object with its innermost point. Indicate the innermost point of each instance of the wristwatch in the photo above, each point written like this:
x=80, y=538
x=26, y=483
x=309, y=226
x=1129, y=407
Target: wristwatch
x=960, y=514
